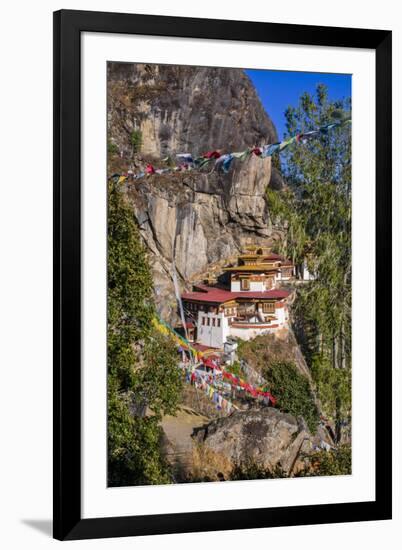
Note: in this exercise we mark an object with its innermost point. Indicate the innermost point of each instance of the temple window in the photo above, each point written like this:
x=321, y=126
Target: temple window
x=244, y=284
x=268, y=307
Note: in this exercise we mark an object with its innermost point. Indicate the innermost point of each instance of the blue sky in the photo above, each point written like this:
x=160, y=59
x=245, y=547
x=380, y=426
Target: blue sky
x=279, y=89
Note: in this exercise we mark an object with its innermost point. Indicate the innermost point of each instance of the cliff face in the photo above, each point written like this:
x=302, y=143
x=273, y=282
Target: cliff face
x=202, y=220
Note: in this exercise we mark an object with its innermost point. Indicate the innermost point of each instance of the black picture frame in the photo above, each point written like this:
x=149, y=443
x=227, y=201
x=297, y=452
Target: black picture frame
x=68, y=26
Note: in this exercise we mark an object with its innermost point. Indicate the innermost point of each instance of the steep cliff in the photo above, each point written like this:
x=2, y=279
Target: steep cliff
x=201, y=220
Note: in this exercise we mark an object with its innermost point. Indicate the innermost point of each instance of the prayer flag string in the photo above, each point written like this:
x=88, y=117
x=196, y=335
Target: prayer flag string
x=223, y=161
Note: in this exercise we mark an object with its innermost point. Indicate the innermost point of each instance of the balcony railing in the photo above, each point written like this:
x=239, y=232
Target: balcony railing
x=242, y=321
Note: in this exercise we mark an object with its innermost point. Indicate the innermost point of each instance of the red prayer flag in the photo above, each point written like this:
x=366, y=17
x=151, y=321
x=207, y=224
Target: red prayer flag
x=211, y=155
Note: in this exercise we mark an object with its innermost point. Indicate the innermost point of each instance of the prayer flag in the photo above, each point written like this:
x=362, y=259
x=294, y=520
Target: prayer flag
x=238, y=155
x=269, y=150
x=324, y=129
x=286, y=143
x=212, y=155
x=187, y=157
x=224, y=162
x=201, y=161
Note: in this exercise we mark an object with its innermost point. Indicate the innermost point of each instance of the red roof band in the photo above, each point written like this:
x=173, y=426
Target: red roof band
x=217, y=295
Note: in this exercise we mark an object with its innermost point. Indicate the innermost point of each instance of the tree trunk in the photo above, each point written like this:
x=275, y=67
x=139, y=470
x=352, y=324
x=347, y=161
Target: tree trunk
x=334, y=363
x=338, y=420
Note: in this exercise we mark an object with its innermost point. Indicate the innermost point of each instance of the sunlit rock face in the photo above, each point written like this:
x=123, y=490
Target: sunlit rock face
x=201, y=219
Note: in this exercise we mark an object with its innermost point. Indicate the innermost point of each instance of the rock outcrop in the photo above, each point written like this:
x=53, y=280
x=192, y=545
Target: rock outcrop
x=200, y=220
x=265, y=437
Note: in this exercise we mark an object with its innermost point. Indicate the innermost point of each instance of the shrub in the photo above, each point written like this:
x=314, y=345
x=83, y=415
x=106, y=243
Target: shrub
x=142, y=363
x=292, y=392
x=235, y=369
x=112, y=148
x=251, y=470
x=136, y=141
x=333, y=463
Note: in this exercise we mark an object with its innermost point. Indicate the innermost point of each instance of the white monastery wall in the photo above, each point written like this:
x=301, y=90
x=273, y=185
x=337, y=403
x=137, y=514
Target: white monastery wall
x=255, y=286
x=249, y=333
x=210, y=335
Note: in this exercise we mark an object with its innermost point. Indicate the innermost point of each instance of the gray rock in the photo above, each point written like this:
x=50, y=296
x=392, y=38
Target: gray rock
x=209, y=216
x=266, y=437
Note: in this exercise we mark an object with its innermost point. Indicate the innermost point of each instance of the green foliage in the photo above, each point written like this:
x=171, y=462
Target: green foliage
x=133, y=445
x=333, y=386
x=130, y=305
x=251, y=470
x=240, y=345
x=292, y=392
x=333, y=463
x=337, y=462
x=112, y=148
x=235, y=368
x=159, y=384
x=136, y=140
x=142, y=372
x=314, y=213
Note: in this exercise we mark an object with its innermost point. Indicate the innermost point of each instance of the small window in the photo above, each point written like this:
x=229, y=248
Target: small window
x=268, y=307
x=213, y=322
x=244, y=284
x=219, y=322
x=208, y=321
x=203, y=320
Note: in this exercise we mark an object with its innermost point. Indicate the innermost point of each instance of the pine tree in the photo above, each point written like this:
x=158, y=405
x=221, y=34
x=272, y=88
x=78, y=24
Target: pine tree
x=314, y=212
x=143, y=379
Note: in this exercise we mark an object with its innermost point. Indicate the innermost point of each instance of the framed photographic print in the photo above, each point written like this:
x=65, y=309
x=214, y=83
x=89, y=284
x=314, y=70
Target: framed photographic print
x=222, y=287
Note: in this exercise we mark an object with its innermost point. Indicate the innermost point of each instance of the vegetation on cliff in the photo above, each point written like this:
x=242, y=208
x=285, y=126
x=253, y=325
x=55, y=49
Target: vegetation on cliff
x=292, y=392
x=290, y=388
x=314, y=212
x=143, y=379
x=337, y=462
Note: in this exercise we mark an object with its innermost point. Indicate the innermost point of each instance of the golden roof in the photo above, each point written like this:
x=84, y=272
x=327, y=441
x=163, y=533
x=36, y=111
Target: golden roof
x=258, y=257
x=257, y=267
x=253, y=249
